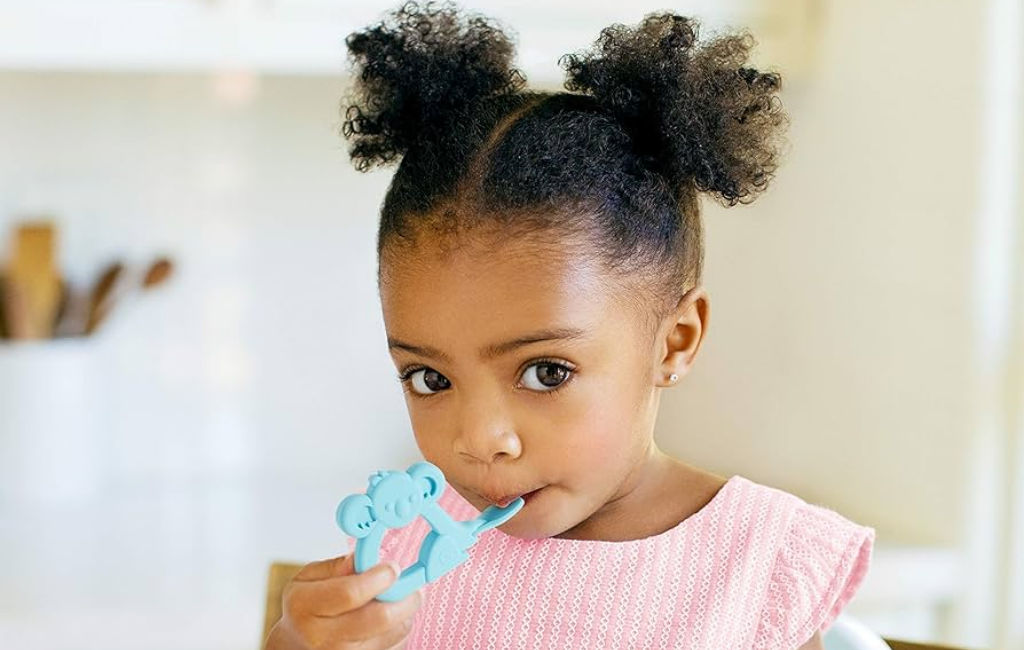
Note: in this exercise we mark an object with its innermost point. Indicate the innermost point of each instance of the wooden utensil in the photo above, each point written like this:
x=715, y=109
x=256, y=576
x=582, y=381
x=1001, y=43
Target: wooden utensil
x=15, y=308
x=3, y=310
x=33, y=274
x=101, y=297
x=157, y=273
x=75, y=316
x=66, y=311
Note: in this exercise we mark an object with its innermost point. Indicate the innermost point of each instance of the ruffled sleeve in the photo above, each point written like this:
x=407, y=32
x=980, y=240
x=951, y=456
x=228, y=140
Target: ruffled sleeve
x=820, y=565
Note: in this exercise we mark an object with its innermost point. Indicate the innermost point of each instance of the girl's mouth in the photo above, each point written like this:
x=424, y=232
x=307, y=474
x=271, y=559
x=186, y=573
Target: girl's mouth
x=505, y=500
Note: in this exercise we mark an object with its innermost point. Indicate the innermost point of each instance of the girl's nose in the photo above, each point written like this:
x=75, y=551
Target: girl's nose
x=486, y=436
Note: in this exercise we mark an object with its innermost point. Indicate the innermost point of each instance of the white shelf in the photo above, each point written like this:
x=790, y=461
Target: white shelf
x=910, y=591
x=171, y=36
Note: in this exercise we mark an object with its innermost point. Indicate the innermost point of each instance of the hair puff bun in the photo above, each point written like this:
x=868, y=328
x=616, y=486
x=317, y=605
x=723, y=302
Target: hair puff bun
x=416, y=72
x=694, y=109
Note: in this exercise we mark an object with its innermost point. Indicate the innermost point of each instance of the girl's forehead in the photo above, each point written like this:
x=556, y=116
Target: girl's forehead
x=482, y=291
x=509, y=273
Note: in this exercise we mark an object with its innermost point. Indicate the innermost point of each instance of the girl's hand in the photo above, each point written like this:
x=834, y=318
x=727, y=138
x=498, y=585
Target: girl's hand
x=327, y=606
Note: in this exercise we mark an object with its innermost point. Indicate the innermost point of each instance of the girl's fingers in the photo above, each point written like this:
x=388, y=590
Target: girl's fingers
x=379, y=622
x=323, y=569
x=334, y=596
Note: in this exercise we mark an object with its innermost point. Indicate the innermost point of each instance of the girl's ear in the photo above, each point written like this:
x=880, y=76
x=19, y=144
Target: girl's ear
x=682, y=334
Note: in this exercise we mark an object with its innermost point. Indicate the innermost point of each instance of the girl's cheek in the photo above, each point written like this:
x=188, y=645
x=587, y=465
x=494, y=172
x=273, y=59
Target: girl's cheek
x=426, y=431
x=596, y=430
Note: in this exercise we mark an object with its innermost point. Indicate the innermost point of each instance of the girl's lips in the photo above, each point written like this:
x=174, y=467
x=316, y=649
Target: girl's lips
x=504, y=501
x=529, y=495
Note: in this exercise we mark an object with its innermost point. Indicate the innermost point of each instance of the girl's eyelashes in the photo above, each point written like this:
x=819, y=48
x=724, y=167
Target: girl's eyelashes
x=546, y=375
x=424, y=381
x=541, y=376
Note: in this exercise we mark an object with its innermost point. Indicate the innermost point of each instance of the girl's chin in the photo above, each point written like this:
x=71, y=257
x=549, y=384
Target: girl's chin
x=532, y=520
x=525, y=529
x=524, y=525
x=535, y=521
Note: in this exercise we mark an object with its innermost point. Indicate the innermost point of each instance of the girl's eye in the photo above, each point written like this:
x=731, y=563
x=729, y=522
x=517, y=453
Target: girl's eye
x=427, y=381
x=545, y=376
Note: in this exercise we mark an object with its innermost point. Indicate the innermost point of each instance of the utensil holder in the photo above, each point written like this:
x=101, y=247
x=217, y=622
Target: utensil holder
x=51, y=410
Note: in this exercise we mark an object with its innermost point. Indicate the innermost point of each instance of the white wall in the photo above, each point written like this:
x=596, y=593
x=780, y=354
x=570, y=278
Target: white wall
x=266, y=354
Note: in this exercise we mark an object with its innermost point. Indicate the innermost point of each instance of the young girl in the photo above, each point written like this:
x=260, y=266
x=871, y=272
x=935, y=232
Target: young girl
x=540, y=260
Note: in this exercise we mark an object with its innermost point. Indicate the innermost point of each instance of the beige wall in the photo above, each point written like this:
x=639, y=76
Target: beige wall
x=838, y=362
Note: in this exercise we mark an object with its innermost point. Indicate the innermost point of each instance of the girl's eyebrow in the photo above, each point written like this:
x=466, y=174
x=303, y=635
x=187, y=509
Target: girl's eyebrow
x=422, y=351
x=557, y=334
x=497, y=349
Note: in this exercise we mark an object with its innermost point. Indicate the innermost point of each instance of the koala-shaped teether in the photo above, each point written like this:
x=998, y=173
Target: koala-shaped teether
x=393, y=500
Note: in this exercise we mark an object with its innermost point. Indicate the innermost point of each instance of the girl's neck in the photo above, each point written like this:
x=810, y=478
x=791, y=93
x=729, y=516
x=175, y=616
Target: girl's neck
x=656, y=498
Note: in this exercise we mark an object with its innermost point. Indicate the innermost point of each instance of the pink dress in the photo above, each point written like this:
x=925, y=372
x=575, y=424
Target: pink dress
x=756, y=568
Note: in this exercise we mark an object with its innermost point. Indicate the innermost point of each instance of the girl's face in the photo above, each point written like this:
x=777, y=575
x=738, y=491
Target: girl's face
x=525, y=374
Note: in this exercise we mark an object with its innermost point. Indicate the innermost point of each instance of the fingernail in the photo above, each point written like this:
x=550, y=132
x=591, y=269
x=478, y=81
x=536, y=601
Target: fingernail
x=396, y=568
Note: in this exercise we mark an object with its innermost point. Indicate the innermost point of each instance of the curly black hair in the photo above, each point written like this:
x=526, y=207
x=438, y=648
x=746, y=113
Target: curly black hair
x=652, y=119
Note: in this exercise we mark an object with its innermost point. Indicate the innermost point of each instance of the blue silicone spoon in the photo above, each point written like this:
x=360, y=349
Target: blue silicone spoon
x=393, y=500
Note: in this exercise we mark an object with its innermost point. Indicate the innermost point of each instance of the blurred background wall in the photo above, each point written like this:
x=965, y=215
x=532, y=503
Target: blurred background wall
x=865, y=349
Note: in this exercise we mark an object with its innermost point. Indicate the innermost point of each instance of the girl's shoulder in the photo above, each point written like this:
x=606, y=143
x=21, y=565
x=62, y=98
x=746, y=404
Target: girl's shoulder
x=818, y=561
x=794, y=565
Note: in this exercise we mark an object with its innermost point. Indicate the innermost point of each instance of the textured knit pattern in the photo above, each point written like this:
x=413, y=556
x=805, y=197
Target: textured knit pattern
x=757, y=568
